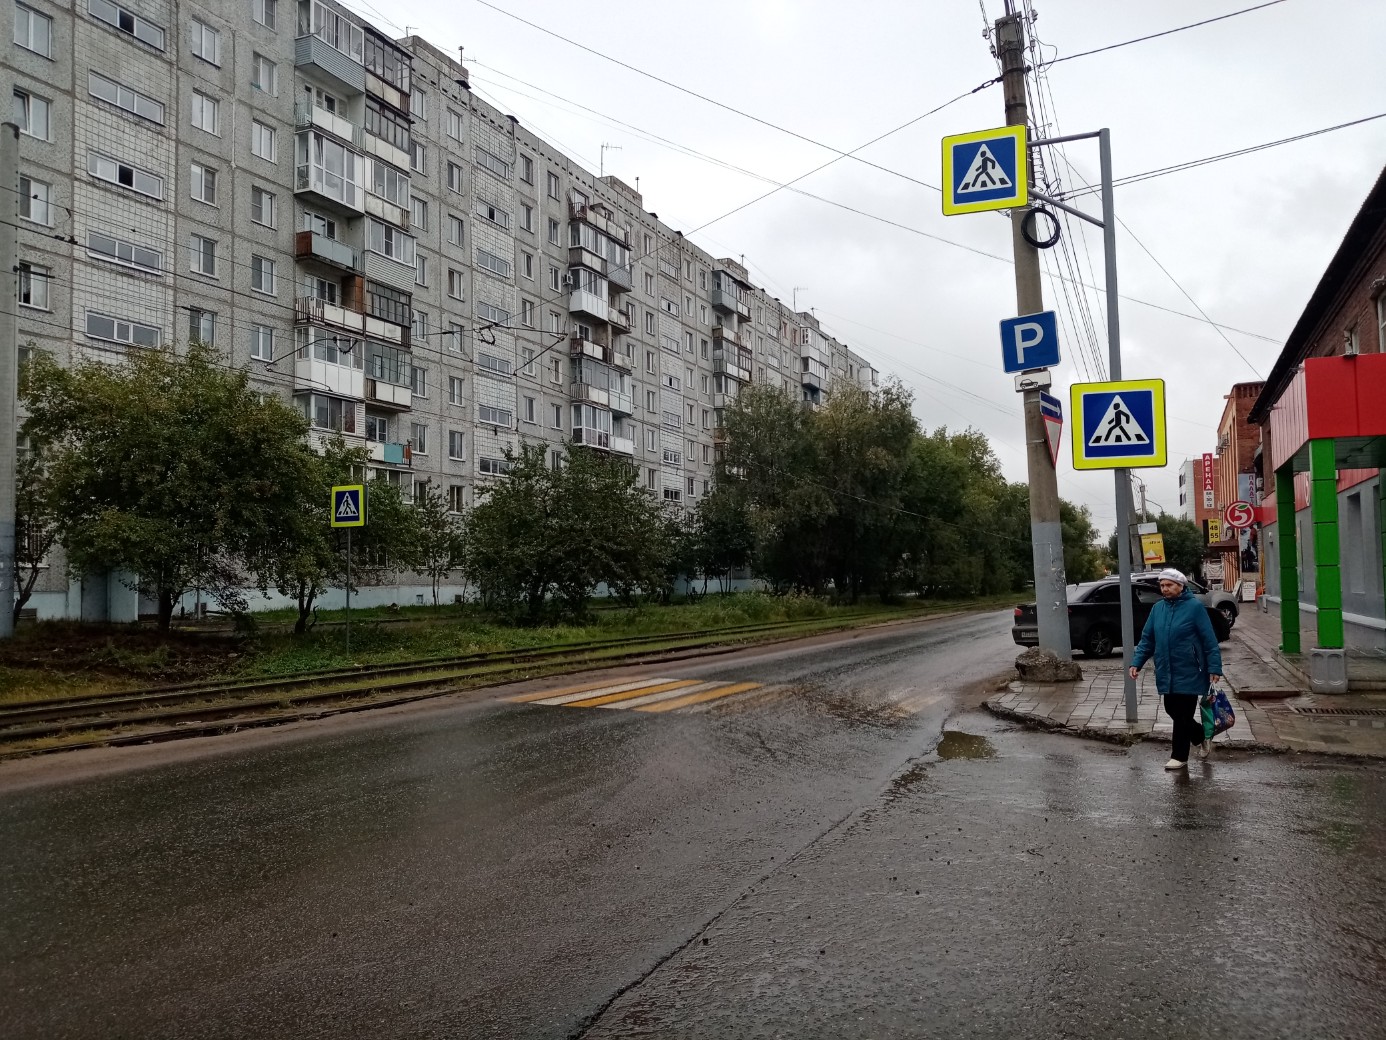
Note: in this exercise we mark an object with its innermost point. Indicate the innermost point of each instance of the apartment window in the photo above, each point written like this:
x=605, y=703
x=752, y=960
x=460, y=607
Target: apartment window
x=495, y=365
x=202, y=255
x=702, y=348
x=557, y=419
x=553, y=185
x=553, y=231
x=418, y=380
x=33, y=31
x=420, y=327
x=651, y=439
x=526, y=169
x=204, y=184
x=493, y=163
x=493, y=416
x=690, y=415
x=670, y=306
x=455, y=336
x=107, y=169
x=118, y=330
x=417, y=157
x=527, y=356
x=493, y=467
x=140, y=28
x=650, y=326
x=526, y=216
x=262, y=342
x=555, y=321
x=649, y=285
x=704, y=384
x=454, y=177
x=454, y=125
x=266, y=12
x=456, y=283
x=707, y=418
x=418, y=213
x=205, y=115
x=672, y=495
x=650, y=401
x=262, y=141
x=262, y=275
x=377, y=428
x=702, y=313
x=419, y=438
x=553, y=278
x=455, y=444
x=420, y=270
x=390, y=241
x=125, y=98
x=33, y=114
x=388, y=304
x=206, y=42
x=35, y=201
x=120, y=251
x=33, y=285
x=707, y=454
x=528, y=412
x=527, y=313
x=672, y=457
x=494, y=214
x=456, y=230
x=264, y=75
x=650, y=361
x=389, y=183
x=262, y=206
x=527, y=265
x=493, y=263
x=491, y=313
x=202, y=326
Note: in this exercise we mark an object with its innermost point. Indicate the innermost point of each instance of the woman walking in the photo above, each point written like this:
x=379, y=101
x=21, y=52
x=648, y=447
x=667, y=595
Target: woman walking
x=1179, y=636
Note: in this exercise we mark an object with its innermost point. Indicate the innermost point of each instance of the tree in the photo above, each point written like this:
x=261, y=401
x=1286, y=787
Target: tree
x=168, y=469
x=35, y=525
x=1083, y=558
x=1183, y=543
x=440, y=539
x=721, y=536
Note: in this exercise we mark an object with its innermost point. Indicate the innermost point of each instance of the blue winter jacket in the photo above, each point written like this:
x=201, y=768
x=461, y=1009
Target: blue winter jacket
x=1180, y=637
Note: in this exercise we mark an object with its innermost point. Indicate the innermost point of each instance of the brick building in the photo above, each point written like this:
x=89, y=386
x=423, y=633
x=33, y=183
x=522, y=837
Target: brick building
x=1234, y=479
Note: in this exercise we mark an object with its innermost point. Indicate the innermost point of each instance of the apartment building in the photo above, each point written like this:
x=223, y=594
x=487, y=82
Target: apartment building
x=340, y=215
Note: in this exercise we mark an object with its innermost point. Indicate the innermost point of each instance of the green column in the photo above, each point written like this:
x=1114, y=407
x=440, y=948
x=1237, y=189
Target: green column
x=1288, y=540
x=1323, y=510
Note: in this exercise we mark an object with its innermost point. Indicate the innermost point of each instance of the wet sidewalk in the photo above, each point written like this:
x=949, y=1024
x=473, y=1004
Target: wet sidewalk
x=1274, y=710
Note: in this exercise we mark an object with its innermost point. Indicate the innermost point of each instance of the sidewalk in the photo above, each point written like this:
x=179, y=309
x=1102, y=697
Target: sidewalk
x=1274, y=710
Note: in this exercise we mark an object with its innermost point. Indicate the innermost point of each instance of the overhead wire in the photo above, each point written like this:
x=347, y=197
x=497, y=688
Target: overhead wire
x=1166, y=32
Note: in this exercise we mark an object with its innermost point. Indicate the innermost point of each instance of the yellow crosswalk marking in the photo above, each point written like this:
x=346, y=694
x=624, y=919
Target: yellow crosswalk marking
x=625, y=695
x=525, y=698
x=698, y=698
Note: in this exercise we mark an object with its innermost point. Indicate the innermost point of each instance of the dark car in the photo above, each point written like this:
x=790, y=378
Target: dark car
x=1094, y=615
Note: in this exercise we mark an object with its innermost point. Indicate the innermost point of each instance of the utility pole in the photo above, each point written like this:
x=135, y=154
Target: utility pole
x=1046, y=533
x=9, y=364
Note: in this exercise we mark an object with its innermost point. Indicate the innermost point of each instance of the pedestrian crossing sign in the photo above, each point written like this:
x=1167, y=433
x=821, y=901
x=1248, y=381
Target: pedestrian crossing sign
x=985, y=170
x=1119, y=425
x=349, y=506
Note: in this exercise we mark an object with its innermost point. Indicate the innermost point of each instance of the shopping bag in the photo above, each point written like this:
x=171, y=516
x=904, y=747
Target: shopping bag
x=1216, y=712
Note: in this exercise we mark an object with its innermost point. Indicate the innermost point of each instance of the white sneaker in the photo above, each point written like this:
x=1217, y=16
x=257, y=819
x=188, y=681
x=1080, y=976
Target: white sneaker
x=1174, y=763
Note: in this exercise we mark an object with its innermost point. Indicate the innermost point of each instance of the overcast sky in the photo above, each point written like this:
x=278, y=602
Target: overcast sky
x=1247, y=239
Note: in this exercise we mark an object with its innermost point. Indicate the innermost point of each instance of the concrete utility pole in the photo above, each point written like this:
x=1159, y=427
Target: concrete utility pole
x=1046, y=533
x=9, y=364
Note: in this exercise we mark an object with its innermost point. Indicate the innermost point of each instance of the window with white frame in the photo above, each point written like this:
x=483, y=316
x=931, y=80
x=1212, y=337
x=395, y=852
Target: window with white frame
x=491, y=262
x=418, y=104
x=493, y=213
x=455, y=181
x=119, y=330
x=492, y=467
x=651, y=439
x=490, y=312
x=456, y=230
x=418, y=213
x=526, y=169
x=262, y=206
x=119, y=18
x=205, y=41
x=124, y=98
x=420, y=326
x=553, y=231
x=456, y=336
x=553, y=185
x=388, y=183
x=266, y=12
x=204, y=183
x=526, y=216
x=650, y=326
x=205, y=112
x=33, y=114
x=456, y=444
x=493, y=164
x=33, y=31
x=35, y=201
x=389, y=241
x=527, y=313
x=557, y=419
x=202, y=326
x=418, y=157
x=454, y=127
x=202, y=255
x=264, y=75
x=554, y=278
x=528, y=410
x=527, y=357
x=420, y=269
x=117, y=250
x=457, y=283
x=672, y=495
x=527, y=266
x=457, y=497
x=419, y=437
x=418, y=380
x=263, y=141
x=651, y=478
x=262, y=342
x=33, y=285
x=262, y=275
x=493, y=416
x=454, y=389
x=494, y=365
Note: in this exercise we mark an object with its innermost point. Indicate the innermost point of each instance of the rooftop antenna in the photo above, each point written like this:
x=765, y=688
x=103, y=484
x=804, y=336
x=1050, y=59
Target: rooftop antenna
x=605, y=146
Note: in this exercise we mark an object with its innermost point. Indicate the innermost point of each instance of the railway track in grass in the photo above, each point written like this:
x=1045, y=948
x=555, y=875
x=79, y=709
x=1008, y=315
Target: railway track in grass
x=216, y=706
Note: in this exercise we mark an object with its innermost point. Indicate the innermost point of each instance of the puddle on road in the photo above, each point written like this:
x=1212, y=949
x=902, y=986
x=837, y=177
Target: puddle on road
x=902, y=783
x=964, y=745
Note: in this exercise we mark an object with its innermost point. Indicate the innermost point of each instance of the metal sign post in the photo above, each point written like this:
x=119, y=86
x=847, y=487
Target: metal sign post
x=348, y=510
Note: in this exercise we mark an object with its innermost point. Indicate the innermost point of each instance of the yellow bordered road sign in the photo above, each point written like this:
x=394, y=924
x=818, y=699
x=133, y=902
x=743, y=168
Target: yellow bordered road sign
x=1118, y=425
x=349, y=505
x=985, y=170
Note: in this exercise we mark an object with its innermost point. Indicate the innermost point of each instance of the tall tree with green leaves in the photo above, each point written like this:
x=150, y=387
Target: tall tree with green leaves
x=440, y=543
x=35, y=525
x=167, y=469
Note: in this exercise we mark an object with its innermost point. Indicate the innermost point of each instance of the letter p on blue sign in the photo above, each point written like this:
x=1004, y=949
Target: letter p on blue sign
x=1030, y=341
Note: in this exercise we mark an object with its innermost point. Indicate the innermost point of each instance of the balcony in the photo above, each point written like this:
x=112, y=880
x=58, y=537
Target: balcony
x=580, y=301
x=343, y=71
x=620, y=278
x=581, y=256
x=812, y=381
x=586, y=435
x=591, y=215
x=387, y=332
x=326, y=377
x=594, y=395
x=619, y=320
x=621, y=402
x=308, y=116
x=622, y=445
x=330, y=171
x=383, y=149
x=728, y=364
x=579, y=347
x=389, y=395
x=309, y=310
x=725, y=334
x=309, y=245
x=390, y=453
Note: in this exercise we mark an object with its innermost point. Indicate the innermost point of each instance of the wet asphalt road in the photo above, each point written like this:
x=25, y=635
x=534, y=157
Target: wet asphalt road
x=805, y=859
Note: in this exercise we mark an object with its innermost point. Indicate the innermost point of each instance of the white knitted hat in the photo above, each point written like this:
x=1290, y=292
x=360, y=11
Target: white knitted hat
x=1170, y=574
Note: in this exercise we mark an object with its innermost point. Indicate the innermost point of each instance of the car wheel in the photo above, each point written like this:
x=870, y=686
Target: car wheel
x=1228, y=611
x=1098, y=643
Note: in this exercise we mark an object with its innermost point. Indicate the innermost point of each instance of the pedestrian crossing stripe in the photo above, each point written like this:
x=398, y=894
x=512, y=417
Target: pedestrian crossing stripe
x=984, y=174
x=659, y=695
x=1118, y=424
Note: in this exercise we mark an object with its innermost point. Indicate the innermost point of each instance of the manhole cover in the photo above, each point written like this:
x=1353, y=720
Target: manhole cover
x=1374, y=712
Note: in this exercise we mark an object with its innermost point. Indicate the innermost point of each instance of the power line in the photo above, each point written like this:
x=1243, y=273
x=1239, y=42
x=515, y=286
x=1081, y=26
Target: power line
x=1167, y=32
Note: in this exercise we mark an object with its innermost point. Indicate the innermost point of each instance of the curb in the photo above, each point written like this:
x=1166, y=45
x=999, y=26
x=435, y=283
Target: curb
x=1048, y=725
